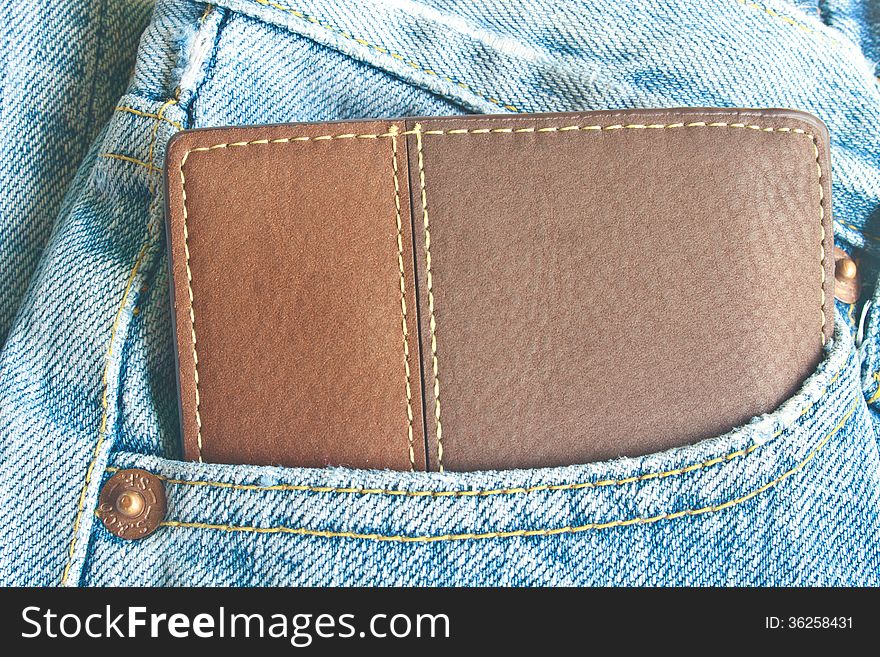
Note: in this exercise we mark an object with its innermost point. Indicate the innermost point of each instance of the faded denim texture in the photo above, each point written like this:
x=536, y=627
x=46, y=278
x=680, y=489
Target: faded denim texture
x=87, y=370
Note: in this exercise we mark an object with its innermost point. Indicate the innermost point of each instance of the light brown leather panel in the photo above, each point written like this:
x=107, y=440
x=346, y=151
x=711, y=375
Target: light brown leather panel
x=295, y=268
x=601, y=284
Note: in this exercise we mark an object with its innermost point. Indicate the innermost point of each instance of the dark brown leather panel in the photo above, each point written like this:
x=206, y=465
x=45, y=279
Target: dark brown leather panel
x=601, y=284
x=604, y=292
x=295, y=265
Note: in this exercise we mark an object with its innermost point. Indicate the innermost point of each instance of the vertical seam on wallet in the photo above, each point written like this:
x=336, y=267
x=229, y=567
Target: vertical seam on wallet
x=192, y=316
x=429, y=278
x=393, y=131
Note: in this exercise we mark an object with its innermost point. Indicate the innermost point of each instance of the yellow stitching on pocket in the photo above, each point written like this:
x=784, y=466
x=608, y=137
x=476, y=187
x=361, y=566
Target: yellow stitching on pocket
x=155, y=133
x=148, y=115
x=385, y=51
x=102, y=430
x=643, y=520
x=130, y=160
x=860, y=231
x=782, y=17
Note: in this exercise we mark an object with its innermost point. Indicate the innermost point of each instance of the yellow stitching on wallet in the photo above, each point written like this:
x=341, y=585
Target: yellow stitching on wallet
x=821, y=237
x=506, y=130
x=429, y=276
x=625, y=522
x=409, y=405
x=192, y=317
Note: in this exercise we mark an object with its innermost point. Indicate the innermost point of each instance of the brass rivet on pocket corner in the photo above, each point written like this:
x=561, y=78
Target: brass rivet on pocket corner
x=846, y=277
x=132, y=504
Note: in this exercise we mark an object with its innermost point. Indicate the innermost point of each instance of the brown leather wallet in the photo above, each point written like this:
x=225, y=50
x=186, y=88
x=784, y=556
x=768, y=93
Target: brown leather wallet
x=477, y=292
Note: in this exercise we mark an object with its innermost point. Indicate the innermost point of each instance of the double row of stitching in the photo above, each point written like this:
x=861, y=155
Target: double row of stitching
x=159, y=116
x=408, y=61
x=385, y=51
x=540, y=531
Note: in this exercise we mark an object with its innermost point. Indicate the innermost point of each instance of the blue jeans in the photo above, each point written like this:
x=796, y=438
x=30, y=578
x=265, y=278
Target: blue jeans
x=87, y=368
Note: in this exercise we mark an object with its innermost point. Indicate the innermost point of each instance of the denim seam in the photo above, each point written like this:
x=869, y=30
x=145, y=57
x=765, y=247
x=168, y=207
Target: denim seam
x=785, y=19
x=404, y=327
x=626, y=522
x=509, y=491
x=332, y=28
x=385, y=51
x=413, y=64
x=155, y=134
x=105, y=383
x=105, y=405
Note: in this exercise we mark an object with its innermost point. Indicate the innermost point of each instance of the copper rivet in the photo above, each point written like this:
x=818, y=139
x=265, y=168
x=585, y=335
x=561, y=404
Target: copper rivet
x=846, y=268
x=846, y=277
x=132, y=503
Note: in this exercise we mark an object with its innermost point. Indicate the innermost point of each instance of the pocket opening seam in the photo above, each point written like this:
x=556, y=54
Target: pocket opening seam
x=304, y=488
x=525, y=533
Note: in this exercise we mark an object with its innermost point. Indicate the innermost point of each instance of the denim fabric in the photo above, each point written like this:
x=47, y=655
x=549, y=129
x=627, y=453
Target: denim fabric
x=857, y=19
x=62, y=66
x=87, y=382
